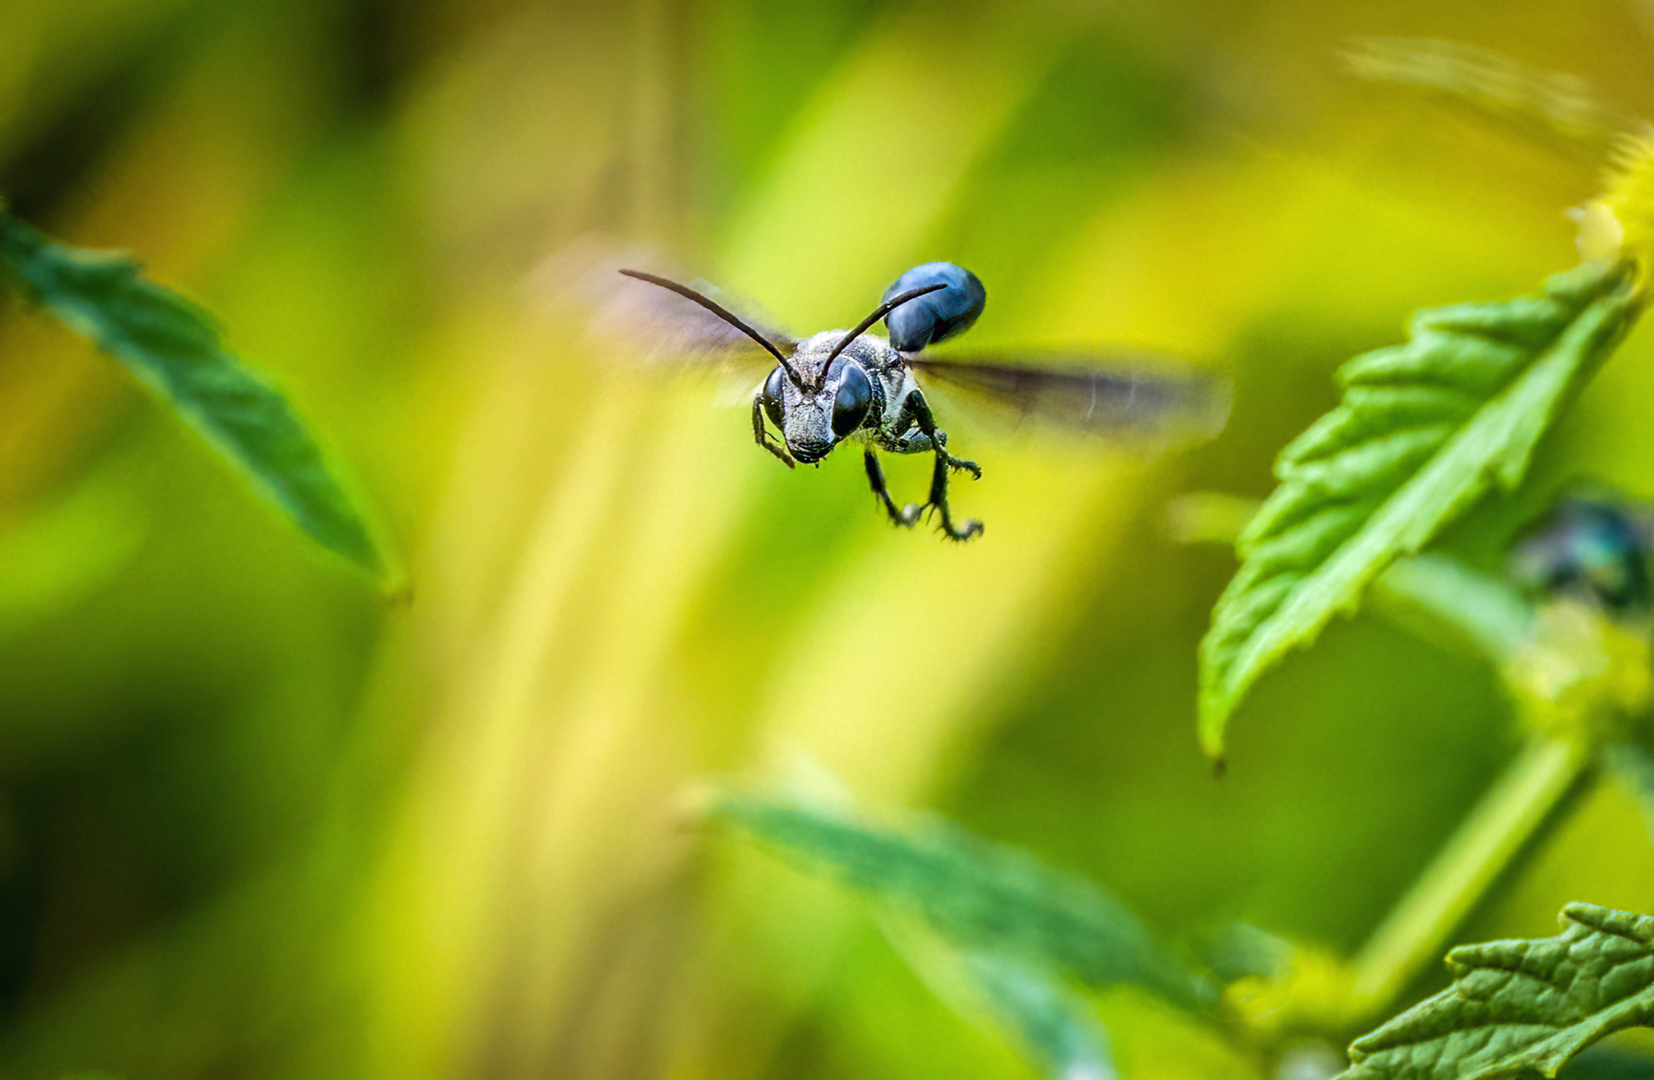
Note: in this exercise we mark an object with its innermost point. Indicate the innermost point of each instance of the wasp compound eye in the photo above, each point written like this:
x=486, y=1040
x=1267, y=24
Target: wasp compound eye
x=928, y=319
x=771, y=396
x=851, y=402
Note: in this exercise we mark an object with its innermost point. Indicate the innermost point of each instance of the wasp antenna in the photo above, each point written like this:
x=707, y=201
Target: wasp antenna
x=729, y=317
x=878, y=313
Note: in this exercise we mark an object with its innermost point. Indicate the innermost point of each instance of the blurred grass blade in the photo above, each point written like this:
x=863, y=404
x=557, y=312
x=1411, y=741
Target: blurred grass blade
x=72, y=548
x=173, y=347
x=1633, y=766
x=1556, y=108
x=1475, y=609
x=1523, y=1005
x=1423, y=430
x=975, y=894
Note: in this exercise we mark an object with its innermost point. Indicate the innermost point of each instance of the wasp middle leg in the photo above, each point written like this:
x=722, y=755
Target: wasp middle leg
x=875, y=478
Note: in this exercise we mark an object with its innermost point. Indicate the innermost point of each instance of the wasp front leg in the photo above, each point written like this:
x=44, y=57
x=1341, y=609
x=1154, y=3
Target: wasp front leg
x=917, y=409
x=762, y=433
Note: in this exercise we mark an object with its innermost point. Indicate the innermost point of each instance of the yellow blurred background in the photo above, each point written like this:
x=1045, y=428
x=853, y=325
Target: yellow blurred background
x=257, y=820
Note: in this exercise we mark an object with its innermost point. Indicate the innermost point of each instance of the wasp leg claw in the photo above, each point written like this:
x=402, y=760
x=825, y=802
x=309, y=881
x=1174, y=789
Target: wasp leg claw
x=925, y=423
x=939, y=493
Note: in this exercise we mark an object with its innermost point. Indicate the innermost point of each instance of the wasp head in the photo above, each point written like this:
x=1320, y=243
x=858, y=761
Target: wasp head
x=833, y=397
x=825, y=392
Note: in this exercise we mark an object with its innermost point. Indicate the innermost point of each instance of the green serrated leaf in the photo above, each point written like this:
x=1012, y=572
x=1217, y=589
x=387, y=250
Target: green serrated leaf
x=1424, y=429
x=1522, y=1005
x=976, y=894
x=173, y=347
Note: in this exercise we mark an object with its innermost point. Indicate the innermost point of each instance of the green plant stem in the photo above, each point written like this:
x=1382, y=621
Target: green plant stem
x=1418, y=928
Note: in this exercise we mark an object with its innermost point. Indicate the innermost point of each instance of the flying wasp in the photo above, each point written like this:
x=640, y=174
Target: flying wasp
x=849, y=384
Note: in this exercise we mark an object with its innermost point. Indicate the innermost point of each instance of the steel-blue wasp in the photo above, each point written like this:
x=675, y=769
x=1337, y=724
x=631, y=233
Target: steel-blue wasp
x=1593, y=547
x=848, y=384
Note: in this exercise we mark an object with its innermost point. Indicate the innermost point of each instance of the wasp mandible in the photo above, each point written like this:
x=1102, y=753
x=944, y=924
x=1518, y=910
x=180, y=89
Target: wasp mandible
x=849, y=384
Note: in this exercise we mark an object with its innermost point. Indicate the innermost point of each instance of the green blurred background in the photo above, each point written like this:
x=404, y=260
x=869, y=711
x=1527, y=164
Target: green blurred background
x=258, y=821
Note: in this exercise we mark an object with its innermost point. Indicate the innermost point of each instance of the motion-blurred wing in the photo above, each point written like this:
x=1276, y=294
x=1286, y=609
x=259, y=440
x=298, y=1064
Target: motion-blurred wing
x=661, y=326
x=1066, y=393
x=627, y=321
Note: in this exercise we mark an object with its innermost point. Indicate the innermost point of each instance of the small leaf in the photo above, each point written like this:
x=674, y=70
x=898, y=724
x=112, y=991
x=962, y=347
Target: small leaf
x=1423, y=430
x=975, y=894
x=1056, y=1027
x=1521, y=1005
x=173, y=347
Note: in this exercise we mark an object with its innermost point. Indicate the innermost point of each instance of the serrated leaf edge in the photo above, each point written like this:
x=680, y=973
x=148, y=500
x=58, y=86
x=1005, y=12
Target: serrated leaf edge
x=1394, y=525
x=1547, y=1055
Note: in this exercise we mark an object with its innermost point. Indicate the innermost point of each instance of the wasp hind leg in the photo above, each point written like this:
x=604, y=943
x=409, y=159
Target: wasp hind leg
x=945, y=463
x=919, y=409
x=875, y=478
